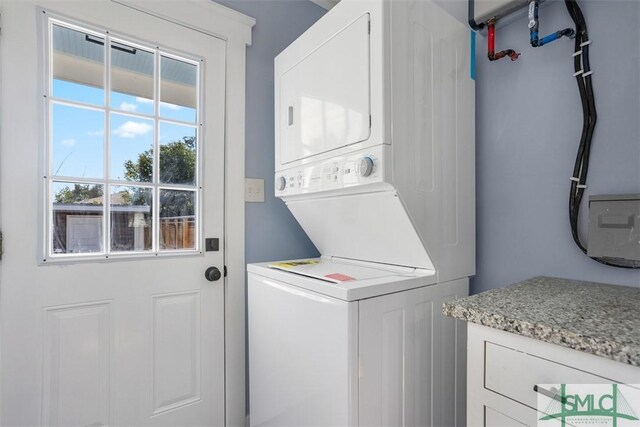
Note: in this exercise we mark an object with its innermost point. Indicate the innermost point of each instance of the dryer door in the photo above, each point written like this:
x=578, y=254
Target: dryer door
x=324, y=99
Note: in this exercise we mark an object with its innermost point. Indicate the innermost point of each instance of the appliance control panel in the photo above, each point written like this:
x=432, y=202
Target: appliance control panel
x=357, y=168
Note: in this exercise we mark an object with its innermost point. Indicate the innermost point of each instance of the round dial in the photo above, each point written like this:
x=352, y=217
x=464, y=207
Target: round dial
x=365, y=166
x=281, y=183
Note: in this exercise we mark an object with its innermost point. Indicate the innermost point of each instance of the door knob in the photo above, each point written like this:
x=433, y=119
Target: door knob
x=212, y=274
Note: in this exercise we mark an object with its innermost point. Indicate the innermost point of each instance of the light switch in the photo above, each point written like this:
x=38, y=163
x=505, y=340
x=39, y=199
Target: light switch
x=254, y=190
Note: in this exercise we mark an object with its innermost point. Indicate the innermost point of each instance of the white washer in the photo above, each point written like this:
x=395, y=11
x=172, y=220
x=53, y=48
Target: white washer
x=371, y=350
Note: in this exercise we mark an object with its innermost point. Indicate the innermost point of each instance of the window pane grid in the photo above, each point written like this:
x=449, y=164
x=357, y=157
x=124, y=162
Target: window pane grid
x=134, y=214
x=78, y=104
x=177, y=122
x=77, y=218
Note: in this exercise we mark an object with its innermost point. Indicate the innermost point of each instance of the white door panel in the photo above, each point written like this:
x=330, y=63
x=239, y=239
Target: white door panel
x=135, y=342
x=77, y=360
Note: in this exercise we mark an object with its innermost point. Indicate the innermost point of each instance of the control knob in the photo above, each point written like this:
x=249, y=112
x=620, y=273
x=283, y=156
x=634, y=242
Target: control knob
x=365, y=166
x=281, y=183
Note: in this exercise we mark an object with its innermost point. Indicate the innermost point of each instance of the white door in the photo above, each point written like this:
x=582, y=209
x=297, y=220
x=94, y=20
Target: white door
x=115, y=116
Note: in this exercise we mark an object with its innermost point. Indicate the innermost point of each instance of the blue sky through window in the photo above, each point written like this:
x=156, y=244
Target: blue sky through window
x=78, y=133
x=76, y=92
x=131, y=104
x=78, y=142
x=130, y=137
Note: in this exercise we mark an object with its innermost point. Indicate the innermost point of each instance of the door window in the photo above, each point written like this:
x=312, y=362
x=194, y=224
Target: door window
x=123, y=157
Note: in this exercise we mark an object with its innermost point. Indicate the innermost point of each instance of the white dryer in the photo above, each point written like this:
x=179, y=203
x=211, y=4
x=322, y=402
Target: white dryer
x=375, y=135
x=344, y=343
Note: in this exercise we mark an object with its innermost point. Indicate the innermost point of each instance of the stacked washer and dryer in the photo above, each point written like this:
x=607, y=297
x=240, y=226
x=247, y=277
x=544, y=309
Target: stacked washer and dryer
x=374, y=148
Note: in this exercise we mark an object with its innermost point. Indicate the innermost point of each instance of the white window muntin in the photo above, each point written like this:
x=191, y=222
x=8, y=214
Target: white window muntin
x=107, y=182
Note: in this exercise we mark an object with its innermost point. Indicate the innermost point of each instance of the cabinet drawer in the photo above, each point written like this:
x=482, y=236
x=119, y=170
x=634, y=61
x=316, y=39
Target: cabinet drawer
x=494, y=418
x=513, y=374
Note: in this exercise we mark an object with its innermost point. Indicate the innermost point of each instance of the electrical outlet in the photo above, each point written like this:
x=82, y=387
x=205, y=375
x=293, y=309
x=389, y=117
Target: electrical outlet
x=254, y=190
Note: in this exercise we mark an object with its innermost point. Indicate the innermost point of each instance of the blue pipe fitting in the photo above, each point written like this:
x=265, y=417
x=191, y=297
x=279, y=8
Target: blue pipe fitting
x=534, y=25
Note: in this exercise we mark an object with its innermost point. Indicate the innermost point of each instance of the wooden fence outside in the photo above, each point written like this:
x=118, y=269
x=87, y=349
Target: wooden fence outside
x=178, y=232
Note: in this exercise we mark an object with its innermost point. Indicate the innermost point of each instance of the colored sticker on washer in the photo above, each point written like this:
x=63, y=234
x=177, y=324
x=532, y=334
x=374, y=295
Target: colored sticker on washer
x=339, y=277
x=293, y=264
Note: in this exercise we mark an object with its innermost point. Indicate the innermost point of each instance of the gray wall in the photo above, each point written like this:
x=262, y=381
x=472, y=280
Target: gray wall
x=272, y=233
x=528, y=128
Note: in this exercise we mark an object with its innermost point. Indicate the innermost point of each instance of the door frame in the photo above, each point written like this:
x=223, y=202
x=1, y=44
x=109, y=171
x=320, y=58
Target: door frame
x=235, y=29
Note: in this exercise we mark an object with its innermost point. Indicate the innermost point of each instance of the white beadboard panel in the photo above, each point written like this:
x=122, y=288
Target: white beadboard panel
x=423, y=338
x=176, y=357
x=392, y=366
x=77, y=365
x=412, y=369
x=445, y=366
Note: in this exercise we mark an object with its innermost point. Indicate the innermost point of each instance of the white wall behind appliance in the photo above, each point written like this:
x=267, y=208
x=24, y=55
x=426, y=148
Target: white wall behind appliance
x=528, y=119
x=459, y=9
x=272, y=233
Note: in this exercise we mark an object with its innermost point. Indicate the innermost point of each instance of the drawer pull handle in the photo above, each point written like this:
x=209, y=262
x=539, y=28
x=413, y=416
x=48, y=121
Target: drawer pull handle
x=553, y=393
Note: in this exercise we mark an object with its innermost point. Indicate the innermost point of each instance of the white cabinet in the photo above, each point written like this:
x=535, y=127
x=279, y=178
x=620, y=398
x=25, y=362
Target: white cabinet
x=498, y=419
x=503, y=368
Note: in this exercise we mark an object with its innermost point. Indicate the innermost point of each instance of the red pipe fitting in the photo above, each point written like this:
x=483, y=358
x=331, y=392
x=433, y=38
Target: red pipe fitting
x=491, y=45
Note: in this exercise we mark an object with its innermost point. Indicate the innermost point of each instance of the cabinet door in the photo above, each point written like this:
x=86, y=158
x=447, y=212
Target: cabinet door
x=325, y=98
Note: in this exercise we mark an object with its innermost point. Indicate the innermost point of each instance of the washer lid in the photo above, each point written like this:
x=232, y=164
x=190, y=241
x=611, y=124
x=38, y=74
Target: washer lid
x=344, y=279
x=331, y=271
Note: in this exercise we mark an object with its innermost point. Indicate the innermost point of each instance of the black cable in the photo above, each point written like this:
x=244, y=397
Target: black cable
x=585, y=120
x=589, y=118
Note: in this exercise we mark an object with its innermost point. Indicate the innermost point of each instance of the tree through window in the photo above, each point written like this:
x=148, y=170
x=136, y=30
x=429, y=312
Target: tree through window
x=123, y=146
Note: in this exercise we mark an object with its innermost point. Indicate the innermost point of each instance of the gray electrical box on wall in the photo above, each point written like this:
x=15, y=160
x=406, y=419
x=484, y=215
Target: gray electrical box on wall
x=614, y=227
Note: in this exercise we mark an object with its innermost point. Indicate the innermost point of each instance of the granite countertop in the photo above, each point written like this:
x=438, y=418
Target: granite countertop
x=592, y=317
